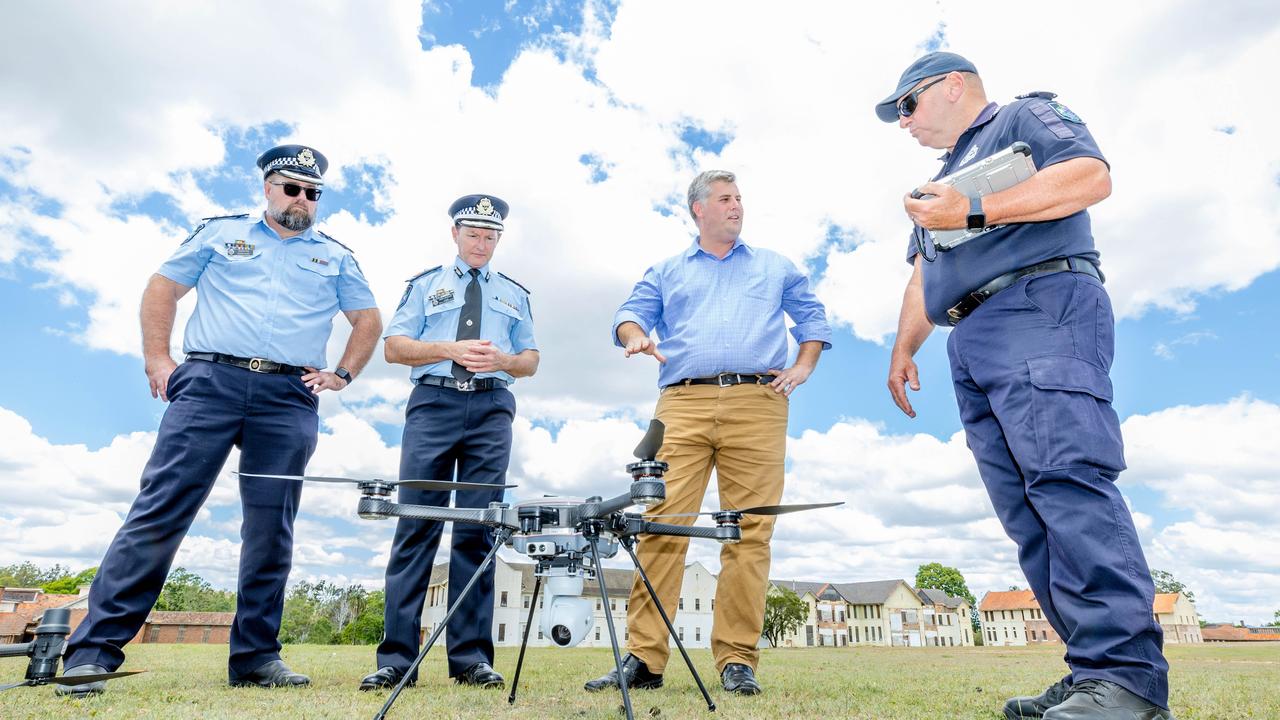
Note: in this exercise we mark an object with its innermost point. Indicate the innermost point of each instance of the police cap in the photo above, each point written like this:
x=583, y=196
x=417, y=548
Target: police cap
x=935, y=63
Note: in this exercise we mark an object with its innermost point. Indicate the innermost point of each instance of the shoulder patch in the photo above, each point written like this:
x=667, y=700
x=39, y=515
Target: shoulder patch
x=1046, y=114
x=424, y=273
x=1065, y=113
x=408, y=290
x=513, y=282
x=205, y=221
x=330, y=238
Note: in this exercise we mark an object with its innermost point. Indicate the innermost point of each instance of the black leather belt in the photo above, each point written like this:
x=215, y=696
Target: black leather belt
x=258, y=365
x=472, y=385
x=984, y=293
x=725, y=380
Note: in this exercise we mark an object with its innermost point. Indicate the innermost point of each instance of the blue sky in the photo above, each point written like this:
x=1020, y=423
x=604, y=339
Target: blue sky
x=590, y=119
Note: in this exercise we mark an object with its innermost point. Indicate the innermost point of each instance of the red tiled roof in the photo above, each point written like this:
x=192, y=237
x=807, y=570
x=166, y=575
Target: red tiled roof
x=1165, y=602
x=1008, y=600
x=12, y=624
x=1237, y=634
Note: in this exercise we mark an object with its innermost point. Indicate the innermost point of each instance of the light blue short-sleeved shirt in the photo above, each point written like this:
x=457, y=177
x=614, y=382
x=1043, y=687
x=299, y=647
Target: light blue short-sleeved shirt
x=724, y=315
x=432, y=306
x=258, y=295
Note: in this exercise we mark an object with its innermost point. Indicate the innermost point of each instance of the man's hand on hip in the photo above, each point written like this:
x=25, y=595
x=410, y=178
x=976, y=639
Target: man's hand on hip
x=319, y=380
x=158, y=371
x=786, y=381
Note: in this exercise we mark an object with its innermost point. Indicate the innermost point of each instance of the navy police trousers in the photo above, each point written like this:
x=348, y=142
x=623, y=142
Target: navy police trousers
x=1030, y=368
x=272, y=419
x=445, y=428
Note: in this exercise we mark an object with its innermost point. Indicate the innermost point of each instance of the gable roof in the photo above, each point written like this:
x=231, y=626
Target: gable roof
x=800, y=587
x=1008, y=600
x=871, y=592
x=1165, y=601
x=938, y=597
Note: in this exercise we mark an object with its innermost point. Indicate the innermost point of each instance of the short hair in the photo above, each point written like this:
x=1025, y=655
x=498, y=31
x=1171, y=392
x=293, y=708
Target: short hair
x=700, y=188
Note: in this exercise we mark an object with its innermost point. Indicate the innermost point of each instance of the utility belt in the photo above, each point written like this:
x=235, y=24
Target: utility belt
x=725, y=380
x=258, y=365
x=473, y=385
x=970, y=302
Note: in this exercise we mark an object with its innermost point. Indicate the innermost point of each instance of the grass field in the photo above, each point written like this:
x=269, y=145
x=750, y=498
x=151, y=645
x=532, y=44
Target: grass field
x=189, y=681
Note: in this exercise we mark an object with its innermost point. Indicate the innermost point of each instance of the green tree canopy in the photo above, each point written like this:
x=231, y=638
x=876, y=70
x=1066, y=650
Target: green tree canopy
x=949, y=580
x=70, y=584
x=784, y=611
x=29, y=575
x=187, y=591
x=1167, y=583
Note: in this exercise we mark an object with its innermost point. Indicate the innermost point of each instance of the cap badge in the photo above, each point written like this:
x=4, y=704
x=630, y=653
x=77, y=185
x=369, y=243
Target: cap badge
x=484, y=207
x=306, y=158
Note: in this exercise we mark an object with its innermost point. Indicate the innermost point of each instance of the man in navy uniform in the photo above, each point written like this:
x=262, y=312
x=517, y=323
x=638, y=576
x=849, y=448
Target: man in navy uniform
x=467, y=332
x=1030, y=354
x=267, y=289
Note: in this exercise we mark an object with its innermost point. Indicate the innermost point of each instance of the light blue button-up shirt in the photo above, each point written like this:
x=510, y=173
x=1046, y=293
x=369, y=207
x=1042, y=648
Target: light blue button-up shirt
x=432, y=306
x=258, y=295
x=724, y=315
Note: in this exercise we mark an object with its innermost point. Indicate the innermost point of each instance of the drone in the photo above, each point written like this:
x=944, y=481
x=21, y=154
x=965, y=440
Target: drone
x=567, y=537
x=46, y=650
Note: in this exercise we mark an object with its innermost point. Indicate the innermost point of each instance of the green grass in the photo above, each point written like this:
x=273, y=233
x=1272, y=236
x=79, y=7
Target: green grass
x=189, y=681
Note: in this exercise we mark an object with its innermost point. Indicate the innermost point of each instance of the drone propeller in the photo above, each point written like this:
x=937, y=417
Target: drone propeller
x=760, y=510
x=445, y=485
x=73, y=680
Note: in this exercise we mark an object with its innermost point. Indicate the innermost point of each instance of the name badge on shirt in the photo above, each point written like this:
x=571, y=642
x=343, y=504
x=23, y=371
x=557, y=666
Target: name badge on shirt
x=508, y=304
x=319, y=261
x=238, y=248
x=440, y=297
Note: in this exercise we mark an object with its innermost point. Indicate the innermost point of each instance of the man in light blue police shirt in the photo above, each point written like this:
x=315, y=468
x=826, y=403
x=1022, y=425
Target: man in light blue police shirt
x=1030, y=356
x=267, y=289
x=467, y=332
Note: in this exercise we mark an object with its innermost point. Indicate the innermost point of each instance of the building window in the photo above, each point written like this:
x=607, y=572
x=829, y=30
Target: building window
x=539, y=631
x=598, y=606
x=682, y=607
x=697, y=634
x=502, y=632
x=713, y=604
x=502, y=599
x=204, y=636
x=681, y=633
x=697, y=603
x=154, y=634
x=598, y=635
x=525, y=602
x=613, y=605
x=857, y=635
x=808, y=635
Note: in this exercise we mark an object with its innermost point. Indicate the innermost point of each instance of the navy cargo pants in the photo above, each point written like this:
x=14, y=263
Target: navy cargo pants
x=445, y=428
x=272, y=418
x=1030, y=368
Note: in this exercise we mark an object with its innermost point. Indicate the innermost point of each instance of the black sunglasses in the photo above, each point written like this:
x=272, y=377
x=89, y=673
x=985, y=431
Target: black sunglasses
x=908, y=103
x=292, y=190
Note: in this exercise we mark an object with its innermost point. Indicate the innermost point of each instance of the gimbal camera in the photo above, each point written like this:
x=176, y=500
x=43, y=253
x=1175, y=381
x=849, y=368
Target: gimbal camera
x=567, y=537
x=45, y=652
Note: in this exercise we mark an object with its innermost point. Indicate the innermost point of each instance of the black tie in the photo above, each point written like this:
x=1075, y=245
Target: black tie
x=468, y=323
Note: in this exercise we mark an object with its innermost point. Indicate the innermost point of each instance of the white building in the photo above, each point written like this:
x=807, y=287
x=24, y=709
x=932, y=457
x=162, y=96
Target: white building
x=513, y=593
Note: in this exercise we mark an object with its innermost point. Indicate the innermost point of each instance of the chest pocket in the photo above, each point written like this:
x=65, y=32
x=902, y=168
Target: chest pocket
x=503, y=316
x=239, y=263
x=318, y=281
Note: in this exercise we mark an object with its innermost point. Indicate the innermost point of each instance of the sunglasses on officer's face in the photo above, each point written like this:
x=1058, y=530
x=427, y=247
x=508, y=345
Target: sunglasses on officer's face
x=908, y=103
x=292, y=190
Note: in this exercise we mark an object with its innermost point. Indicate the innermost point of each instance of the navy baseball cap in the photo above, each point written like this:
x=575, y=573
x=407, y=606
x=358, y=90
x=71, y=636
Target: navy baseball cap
x=482, y=211
x=297, y=162
x=935, y=63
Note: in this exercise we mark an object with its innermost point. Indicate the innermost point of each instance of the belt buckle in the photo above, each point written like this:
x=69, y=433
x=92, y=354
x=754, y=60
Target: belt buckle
x=465, y=385
x=255, y=364
x=720, y=379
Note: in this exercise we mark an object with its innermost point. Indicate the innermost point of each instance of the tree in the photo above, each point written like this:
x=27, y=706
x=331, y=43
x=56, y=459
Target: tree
x=1276, y=621
x=367, y=628
x=949, y=580
x=185, y=591
x=784, y=612
x=29, y=575
x=324, y=613
x=70, y=584
x=1167, y=583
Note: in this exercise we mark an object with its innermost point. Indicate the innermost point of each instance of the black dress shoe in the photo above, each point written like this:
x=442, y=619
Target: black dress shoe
x=1095, y=699
x=1033, y=708
x=386, y=677
x=480, y=675
x=636, y=673
x=739, y=679
x=272, y=674
x=86, y=689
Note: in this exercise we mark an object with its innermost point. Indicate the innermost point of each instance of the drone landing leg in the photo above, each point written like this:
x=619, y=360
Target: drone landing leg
x=502, y=535
x=613, y=634
x=627, y=542
x=524, y=641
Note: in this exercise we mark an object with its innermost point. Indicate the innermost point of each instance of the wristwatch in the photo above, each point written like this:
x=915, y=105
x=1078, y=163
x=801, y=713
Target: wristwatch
x=344, y=373
x=977, y=220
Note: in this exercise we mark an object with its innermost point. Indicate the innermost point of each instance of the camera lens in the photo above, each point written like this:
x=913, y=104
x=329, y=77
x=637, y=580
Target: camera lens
x=561, y=636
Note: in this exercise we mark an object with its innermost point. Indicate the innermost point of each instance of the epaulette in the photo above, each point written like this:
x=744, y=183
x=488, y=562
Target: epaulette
x=206, y=221
x=1043, y=94
x=332, y=239
x=424, y=273
x=513, y=282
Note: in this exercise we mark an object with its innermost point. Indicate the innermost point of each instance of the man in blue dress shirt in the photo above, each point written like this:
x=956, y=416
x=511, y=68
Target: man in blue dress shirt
x=1030, y=356
x=267, y=289
x=718, y=311
x=467, y=332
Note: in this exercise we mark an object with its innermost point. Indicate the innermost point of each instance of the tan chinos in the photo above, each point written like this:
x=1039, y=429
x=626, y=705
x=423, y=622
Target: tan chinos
x=741, y=432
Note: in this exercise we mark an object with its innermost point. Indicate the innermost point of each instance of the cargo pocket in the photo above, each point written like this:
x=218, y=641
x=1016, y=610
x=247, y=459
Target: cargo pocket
x=1074, y=421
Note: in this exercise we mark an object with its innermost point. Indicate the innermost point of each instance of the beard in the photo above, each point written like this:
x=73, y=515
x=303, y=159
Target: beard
x=294, y=218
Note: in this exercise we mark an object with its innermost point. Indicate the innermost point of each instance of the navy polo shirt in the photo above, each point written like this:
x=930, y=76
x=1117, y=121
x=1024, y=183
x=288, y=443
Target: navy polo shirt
x=1055, y=134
